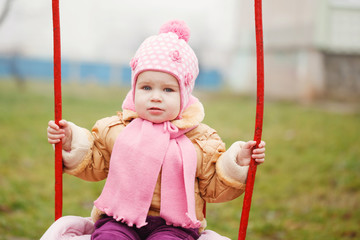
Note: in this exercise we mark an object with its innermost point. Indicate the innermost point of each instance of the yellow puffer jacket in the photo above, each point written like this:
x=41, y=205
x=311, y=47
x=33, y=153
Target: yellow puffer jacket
x=218, y=177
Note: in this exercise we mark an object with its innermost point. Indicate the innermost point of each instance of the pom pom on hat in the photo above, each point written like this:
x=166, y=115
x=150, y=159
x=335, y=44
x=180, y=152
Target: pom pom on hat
x=178, y=27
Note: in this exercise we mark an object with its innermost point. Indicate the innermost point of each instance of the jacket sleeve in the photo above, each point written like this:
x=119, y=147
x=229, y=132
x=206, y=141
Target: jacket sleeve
x=90, y=151
x=220, y=178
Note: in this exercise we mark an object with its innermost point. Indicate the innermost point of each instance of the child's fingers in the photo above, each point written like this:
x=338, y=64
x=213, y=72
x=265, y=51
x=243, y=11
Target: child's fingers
x=53, y=141
x=53, y=125
x=55, y=133
x=259, y=150
x=260, y=160
x=63, y=123
x=250, y=144
x=261, y=144
x=55, y=130
x=258, y=156
x=55, y=136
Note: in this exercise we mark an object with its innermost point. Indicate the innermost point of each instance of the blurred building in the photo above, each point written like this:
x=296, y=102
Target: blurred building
x=312, y=49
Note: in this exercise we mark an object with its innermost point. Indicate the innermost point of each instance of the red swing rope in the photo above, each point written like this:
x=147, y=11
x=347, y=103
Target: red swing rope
x=58, y=109
x=259, y=119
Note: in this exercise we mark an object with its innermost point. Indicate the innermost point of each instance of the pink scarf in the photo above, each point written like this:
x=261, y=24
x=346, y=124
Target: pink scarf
x=141, y=150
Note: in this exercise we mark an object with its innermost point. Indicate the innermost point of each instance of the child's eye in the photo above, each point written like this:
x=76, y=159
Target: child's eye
x=168, y=90
x=146, y=88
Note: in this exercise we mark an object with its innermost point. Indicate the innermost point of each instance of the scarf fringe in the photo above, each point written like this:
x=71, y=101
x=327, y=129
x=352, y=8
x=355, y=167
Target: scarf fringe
x=138, y=223
x=189, y=223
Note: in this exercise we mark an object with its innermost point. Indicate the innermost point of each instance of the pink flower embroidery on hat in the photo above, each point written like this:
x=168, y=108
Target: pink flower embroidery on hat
x=133, y=63
x=187, y=79
x=175, y=56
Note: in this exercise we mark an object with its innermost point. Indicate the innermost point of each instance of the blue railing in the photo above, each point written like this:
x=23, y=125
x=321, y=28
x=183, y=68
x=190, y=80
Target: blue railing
x=101, y=73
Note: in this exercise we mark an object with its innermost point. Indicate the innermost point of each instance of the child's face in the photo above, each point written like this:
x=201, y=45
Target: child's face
x=157, y=96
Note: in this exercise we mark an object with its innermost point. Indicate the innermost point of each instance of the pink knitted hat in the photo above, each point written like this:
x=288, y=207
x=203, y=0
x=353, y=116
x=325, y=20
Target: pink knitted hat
x=167, y=52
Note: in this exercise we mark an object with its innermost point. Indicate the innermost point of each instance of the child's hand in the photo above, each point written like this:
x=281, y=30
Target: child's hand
x=56, y=133
x=247, y=152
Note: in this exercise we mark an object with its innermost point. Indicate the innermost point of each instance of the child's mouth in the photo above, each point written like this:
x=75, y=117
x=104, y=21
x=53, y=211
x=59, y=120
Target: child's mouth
x=155, y=110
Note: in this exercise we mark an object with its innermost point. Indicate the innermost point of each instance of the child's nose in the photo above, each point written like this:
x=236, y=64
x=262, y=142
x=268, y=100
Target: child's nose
x=156, y=96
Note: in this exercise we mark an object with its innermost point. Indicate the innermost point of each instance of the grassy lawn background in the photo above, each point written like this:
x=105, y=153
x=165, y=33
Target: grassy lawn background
x=307, y=189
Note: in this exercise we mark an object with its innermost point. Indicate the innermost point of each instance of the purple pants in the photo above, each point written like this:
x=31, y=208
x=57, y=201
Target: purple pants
x=108, y=228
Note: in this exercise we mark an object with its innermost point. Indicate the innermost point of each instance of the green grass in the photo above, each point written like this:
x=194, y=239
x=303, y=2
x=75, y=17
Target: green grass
x=307, y=189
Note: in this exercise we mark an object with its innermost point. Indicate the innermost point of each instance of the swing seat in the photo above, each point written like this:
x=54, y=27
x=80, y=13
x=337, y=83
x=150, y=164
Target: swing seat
x=80, y=228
